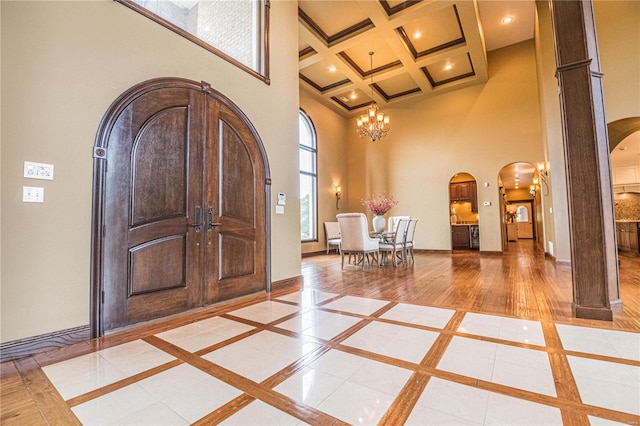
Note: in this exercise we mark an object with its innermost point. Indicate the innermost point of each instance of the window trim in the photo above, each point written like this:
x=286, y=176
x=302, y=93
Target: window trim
x=263, y=28
x=314, y=174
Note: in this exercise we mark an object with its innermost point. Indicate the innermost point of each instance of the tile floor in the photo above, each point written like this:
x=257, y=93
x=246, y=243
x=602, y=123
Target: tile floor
x=314, y=357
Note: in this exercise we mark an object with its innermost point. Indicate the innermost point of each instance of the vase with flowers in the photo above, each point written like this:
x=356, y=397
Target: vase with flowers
x=379, y=205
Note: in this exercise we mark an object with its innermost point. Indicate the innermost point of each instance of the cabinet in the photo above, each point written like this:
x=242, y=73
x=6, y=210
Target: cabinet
x=464, y=191
x=627, y=236
x=460, y=238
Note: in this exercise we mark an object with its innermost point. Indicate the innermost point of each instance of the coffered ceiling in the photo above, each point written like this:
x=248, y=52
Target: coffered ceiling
x=420, y=48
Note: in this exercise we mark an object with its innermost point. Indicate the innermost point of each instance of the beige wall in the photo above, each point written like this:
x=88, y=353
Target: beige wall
x=477, y=130
x=618, y=25
x=331, y=132
x=63, y=63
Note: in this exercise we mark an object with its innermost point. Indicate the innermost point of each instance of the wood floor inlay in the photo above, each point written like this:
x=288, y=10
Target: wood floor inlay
x=456, y=338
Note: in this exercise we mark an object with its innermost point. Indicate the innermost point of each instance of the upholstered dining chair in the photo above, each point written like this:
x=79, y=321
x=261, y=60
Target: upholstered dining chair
x=395, y=247
x=354, y=233
x=393, y=222
x=332, y=235
x=408, y=239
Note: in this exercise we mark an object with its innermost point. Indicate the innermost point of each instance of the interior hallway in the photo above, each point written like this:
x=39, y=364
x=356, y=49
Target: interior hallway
x=457, y=338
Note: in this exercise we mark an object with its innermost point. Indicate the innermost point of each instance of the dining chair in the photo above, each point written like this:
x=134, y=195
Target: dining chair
x=408, y=239
x=393, y=222
x=332, y=235
x=354, y=234
x=396, y=246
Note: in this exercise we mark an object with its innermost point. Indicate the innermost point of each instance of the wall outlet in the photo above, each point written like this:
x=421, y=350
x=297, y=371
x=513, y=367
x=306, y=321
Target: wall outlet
x=38, y=170
x=32, y=194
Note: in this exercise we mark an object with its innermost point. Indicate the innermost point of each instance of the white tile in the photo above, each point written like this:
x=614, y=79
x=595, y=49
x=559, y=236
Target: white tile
x=597, y=421
x=607, y=384
x=356, y=404
x=473, y=358
x=338, y=363
x=613, y=343
x=420, y=315
x=406, y=343
x=82, y=374
x=265, y=312
x=321, y=324
x=114, y=407
x=359, y=393
x=380, y=377
x=189, y=391
x=309, y=386
x=521, y=368
x=512, y=329
x=260, y=414
x=201, y=334
x=135, y=357
x=524, y=369
x=261, y=355
x=308, y=297
x=153, y=415
x=453, y=399
x=506, y=410
x=421, y=416
x=356, y=305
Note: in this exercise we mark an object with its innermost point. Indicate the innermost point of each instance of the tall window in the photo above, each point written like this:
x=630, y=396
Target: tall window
x=235, y=30
x=308, y=179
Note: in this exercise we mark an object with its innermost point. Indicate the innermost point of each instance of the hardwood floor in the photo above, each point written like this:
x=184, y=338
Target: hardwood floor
x=521, y=283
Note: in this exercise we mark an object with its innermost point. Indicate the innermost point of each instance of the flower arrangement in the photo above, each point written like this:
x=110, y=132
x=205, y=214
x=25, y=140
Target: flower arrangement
x=379, y=204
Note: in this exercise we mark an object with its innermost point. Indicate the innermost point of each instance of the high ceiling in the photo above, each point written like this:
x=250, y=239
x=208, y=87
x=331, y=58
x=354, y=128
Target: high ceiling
x=420, y=48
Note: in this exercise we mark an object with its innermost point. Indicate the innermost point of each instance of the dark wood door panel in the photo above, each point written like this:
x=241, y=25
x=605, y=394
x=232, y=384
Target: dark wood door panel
x=160, y=167
x=158, y=265
x=156, y=182
x=174, y=151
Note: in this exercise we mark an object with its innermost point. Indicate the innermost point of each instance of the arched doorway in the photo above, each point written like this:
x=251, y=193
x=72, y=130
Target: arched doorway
x=180, y=215
x=521, y=208
x=463, y=210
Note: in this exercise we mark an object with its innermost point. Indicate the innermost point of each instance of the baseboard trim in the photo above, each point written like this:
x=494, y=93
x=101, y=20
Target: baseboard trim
x=318, y=253
x=287, y=282
x=44, y=342
x=490, y=253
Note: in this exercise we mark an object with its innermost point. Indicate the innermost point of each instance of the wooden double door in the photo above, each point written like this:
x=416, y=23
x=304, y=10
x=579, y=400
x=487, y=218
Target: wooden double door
x=180, y=179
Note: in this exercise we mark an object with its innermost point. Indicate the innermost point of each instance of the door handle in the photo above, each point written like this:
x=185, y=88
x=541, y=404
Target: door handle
x=210, y=222
x=197, y=217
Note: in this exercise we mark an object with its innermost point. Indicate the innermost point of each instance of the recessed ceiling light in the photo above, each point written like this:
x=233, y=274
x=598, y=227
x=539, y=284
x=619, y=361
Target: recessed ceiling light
x=417, y=34
x=332, y=68
x=354, y=96
x=448, y=67
x=507, y=19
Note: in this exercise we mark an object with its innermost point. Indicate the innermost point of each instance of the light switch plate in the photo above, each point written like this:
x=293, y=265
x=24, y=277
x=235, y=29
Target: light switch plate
x=486, y=203
x=32, y=194
x=38, y=170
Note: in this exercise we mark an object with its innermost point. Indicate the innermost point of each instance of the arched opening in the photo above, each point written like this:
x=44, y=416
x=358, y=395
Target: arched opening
x=624, y=144
x=520, y=204
x=182, y=218
x=463, y=210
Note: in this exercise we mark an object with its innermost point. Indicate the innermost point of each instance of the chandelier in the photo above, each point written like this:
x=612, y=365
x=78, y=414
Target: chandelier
x=374, y=124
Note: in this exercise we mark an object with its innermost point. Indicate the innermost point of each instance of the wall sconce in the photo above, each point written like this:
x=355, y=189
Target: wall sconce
x=338, y=196
x=544, y=177
x=532, y=190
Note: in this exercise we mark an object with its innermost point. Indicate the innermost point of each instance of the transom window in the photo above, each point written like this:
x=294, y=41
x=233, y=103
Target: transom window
x=235, y=30
x=308, y=179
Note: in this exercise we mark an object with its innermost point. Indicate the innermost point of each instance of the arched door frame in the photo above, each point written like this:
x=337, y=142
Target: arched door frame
x=99, y=181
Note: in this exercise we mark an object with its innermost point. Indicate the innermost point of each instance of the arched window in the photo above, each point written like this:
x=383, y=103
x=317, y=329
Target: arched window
x=522, y=214
x=308, y=179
